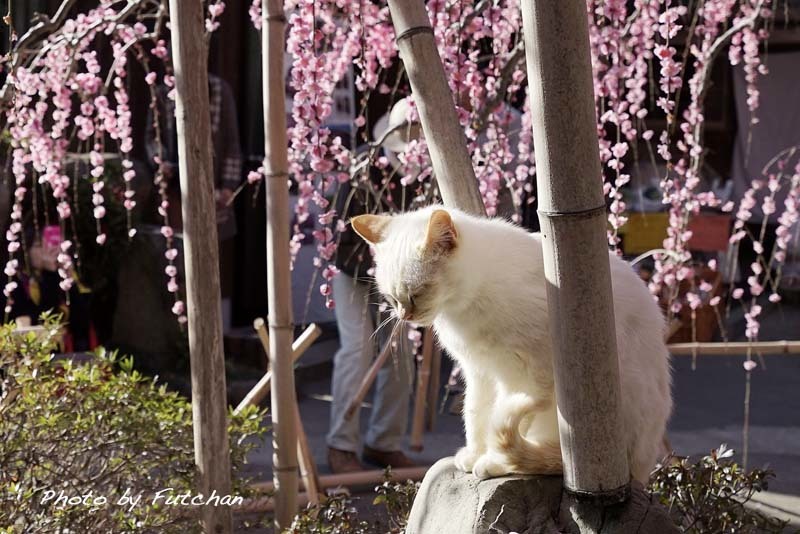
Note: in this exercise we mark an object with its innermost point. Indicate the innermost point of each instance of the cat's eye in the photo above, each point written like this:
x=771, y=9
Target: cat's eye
x=411, y=300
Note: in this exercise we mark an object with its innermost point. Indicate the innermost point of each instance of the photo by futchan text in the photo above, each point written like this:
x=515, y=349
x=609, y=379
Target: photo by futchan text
x=129, y=500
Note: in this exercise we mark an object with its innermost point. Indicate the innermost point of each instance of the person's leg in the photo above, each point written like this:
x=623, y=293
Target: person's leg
x=389, y=418
x=351, y=361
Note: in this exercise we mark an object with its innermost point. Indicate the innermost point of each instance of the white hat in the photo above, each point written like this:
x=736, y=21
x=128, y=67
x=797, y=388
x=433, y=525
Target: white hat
x=401, y=132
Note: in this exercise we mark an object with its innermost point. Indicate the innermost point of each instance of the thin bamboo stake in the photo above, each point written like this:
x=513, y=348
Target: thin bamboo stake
x=423, y=377
x=673, y=327
x=263, y=335
x=368, y=380
x=452, y=163
x=576, y=262
x=737, y=347
x=299, y=346
x=266, y=504
x=433, y=390
x=308, y=468
x=279, y=288
x=209, y=403
x=359, y=478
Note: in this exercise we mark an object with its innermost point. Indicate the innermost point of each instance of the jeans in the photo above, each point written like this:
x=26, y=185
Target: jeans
x=389, y=417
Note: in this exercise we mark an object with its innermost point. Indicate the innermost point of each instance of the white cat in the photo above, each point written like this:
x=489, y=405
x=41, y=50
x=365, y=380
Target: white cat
x=480, y=283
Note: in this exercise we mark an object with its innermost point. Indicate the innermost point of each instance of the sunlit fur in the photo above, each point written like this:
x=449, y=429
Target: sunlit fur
x=485, y=297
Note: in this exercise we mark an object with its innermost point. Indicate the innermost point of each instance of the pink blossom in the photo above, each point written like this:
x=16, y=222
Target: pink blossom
x=178, y=308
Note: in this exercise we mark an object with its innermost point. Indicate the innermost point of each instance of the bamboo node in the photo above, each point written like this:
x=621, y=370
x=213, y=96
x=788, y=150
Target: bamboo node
x=276, y=18
x=286, y=468
x=289, y=326
x=579, y=214
x=603, y=497
x=410, y=32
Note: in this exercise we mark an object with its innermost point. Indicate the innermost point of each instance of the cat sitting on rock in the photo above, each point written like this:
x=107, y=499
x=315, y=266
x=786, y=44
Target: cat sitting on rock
x=480, y=283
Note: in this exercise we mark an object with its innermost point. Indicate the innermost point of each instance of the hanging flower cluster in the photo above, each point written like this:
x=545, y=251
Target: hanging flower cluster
x=782, y=181
x=58, y=99
x=641, y=52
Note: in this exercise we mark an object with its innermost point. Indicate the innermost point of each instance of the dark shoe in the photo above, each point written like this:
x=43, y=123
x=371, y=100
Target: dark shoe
x=395, y=459
x=340, y=461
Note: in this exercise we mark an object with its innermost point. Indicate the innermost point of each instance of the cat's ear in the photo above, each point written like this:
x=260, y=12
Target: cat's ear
x=442, y=234
x=370, y=227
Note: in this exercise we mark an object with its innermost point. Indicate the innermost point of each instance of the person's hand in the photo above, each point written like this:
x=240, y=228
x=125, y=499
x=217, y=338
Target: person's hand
x=224, y=198
x=44, y=257
x=170, y=171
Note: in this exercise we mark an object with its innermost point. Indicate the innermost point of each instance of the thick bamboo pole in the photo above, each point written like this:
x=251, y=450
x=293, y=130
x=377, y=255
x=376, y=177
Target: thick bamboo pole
x=572, y=215
x=209, y=404
x=435, y=385
x=281, y=329
x=423, y=378
x=452, y=164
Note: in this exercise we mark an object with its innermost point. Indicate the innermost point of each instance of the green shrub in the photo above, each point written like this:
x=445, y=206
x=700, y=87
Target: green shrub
x=334, y=515
x=711, y=494
x=337, y=515
x=708, y=496
x=100, y=429
x=397, y=498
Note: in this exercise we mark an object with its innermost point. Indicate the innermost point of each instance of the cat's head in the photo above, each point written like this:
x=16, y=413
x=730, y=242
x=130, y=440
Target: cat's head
x=412, y=251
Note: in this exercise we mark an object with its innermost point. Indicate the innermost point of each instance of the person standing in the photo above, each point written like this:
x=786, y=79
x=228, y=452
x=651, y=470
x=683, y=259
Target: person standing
x=357, y=317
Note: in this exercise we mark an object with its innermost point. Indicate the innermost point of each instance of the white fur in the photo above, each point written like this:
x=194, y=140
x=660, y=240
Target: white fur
x=486, y=300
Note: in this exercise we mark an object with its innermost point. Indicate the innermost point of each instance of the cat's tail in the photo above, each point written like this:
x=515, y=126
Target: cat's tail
x=522, y=455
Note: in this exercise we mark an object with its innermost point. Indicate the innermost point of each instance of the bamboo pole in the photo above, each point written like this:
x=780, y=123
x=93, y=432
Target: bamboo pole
x=299, y=346
x=358, y=478
x=281, y=328
x=576, y=261
x=452, y=164
x=308, y=468
x=266, y=503
x=423, y=378
x=735, y=347
x=263, y=336
x=209, y=404
x=368, y=380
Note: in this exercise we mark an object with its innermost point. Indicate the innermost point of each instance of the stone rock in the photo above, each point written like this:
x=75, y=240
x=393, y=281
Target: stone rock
x=453, y=502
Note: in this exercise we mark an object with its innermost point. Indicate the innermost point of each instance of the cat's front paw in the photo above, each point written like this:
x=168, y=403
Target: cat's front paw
x=491, y=465
x=465, y=459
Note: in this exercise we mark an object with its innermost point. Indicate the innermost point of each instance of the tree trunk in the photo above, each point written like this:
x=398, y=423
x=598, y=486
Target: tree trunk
x=281, y=328
x=452, y=164
x=209, y=400
x=572, y=215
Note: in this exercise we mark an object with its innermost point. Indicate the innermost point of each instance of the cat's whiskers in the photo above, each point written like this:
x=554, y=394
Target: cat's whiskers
x=383, y=324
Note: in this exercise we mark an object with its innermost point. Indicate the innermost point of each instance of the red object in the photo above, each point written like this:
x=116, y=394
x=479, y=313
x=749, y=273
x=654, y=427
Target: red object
x=51, y=236
x=710, y=233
